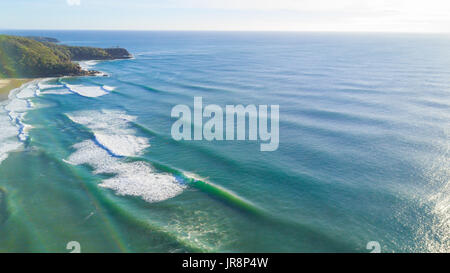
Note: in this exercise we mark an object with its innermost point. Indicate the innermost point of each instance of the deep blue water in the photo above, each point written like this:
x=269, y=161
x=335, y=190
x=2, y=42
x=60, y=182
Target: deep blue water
x=363, y=153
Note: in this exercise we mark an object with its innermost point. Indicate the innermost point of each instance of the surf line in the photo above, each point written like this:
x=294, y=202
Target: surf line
x=108, y=151
x=235, y=120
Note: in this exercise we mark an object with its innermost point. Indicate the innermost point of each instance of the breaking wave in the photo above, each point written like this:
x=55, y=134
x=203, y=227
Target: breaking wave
x=14, y=129
x=114, y=139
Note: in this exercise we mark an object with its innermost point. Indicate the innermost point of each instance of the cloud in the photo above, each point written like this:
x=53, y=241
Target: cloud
x=73, y=2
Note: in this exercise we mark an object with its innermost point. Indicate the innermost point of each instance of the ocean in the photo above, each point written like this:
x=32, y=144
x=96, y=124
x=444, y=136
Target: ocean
x=363, y=152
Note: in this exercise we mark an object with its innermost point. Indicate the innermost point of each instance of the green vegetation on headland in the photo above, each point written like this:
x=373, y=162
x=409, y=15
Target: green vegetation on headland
x=43, y=39
x=22, y=57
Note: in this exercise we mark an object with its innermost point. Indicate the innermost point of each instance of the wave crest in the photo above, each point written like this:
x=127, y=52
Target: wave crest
x=114, y=139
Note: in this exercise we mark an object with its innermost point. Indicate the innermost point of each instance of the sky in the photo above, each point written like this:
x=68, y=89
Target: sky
x=253, y=15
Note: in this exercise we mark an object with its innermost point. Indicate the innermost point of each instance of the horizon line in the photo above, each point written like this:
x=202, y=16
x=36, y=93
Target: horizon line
x=230, y=30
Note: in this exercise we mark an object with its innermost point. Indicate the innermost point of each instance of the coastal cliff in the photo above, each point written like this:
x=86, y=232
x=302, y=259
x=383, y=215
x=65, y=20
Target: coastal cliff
x=22, y=57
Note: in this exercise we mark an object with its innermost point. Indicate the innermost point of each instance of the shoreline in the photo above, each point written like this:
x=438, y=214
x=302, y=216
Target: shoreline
x=7, y=85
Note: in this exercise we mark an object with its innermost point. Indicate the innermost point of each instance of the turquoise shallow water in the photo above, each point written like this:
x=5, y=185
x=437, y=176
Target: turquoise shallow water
x=363, y=155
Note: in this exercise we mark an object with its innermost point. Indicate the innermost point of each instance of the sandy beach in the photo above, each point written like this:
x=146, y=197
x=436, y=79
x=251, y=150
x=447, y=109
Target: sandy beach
x=6, y=85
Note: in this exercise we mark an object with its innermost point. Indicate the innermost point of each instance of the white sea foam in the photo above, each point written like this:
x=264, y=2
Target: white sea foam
x=130, y=178
x=87, y=91
x=109, y=88
x=12, y=115
x=17, y=106
x=46, y=88
x=122, y=145
x=86, y=65
x=8, y=136
x=27, y=92
x=6, y=147
x=21, y=127
x=195, y=177
x=114, y=136
x=44, y=85
x=112, y=129
x=57, y=91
